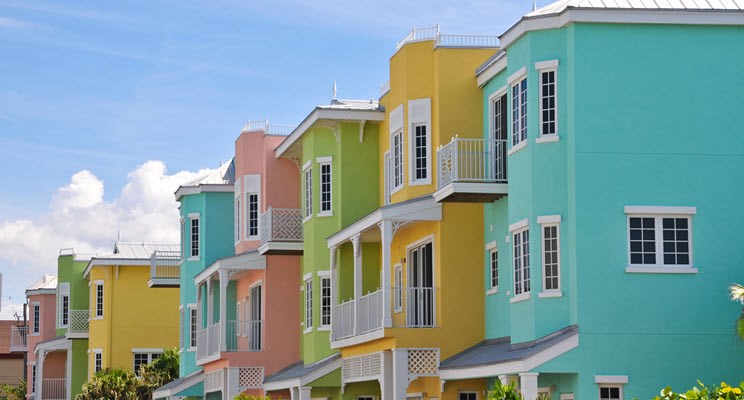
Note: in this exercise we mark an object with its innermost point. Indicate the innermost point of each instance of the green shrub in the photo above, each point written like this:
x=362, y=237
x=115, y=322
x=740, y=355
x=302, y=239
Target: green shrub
x=703, y=392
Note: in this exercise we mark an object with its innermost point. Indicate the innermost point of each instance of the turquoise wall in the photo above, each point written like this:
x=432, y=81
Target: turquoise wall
x=647, y=116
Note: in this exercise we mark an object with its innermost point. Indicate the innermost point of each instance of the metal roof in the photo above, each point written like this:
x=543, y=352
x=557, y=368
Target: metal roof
x=299, y=369
x=44, y=282
x=495, y=351
x=341, y=104
x=560, y=6
x=174, y=387
x=225, y=174
x=139, y=250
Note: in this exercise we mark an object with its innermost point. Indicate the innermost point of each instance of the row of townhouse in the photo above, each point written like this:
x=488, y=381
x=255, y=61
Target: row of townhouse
x=517, y=213
x=516, y=208
x=99, y=311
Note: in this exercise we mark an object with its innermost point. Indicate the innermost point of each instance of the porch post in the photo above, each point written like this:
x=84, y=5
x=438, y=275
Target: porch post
x=334, y=289
x=386, y=230
x=198, y=309
x=304, y=393
x=210, y=302
x=386, y=381
x=400, y=374
x=528, y=385
x=357, y=243
x=39, y=373
x=68, y=371
x=224, y=280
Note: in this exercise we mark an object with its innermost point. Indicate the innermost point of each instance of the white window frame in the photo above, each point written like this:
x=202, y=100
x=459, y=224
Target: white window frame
x=64, y=291
x=492, y=249
x=236, y=210
x=544, y=67
x=659, y=213
x=97, y=355
x=251, y=186
x=95, y=286
x=419, y=114
x=325, y=276
x=36, y=326
x=516, y=141
x=366, y=397
x=150, y=352
x=398, y=284
x=308, y=287
x=547, y=221
x=194, y=217
x=307, y=185
x=33, y=376
x=325, y=162
x=467, y=392
x=397, y=154
x=515, y=229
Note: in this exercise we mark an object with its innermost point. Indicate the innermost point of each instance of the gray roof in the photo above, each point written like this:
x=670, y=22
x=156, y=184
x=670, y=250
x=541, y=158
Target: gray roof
x=352, y=105
x=560, y=6
x=300, y=369
x=491, y=60
x=190, y=380
x=495, y=351
x=225, y=174
x=139, y=250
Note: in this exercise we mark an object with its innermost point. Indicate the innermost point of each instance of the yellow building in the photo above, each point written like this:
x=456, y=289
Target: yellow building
x=133, y=305
x=408, y=278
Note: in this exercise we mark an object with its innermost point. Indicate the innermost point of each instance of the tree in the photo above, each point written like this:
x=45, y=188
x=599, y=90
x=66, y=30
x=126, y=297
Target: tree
x=14, y=392
x=162, y=370
x=110, y=384
x=737, y=294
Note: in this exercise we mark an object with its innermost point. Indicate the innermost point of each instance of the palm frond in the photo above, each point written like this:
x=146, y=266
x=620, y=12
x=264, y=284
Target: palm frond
x=737, y=292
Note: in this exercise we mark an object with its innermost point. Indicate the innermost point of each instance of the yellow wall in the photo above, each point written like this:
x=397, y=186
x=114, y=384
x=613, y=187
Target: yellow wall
x=134, y=315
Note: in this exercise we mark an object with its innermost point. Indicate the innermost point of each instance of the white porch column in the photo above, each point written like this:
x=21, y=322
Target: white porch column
x=224, y=280
x=528, y=385
x=39, y=373
x=386, y=381
x=357, y=243
x=294, y=393
x=334, y=289
x=210, y=302
x=68, y=371
x=400, y=374
x=304, y=393
x=386, y=230
x=233, y=388
x=198, y=309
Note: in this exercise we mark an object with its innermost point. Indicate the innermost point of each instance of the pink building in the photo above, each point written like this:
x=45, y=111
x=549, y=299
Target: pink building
x=250, y=301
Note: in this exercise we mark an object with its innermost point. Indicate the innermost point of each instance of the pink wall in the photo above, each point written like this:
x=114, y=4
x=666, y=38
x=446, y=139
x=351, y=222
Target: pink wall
x=48, y=326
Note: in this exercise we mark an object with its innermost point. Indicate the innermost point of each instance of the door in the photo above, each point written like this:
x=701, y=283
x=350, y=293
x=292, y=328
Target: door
x=421, y=287
x=498, y=139
x=256, y=320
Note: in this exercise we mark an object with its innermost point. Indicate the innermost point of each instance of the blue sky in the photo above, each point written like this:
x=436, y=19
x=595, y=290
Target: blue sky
x=107, y=86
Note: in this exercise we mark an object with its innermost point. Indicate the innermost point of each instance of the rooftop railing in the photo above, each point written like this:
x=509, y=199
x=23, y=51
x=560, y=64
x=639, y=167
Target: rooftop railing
x=433, y=33
x=263, y=125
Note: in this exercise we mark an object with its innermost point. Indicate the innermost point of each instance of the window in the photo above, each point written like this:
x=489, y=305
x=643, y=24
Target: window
x=308, y=192
x=365, y=397
x=610, y=392
x=181, y=327
x=97, y=361
x=325, y=301
x=252, y=212
x=141, y=359
x=238, y=325
x=64, y=304
x=33, y=379
x=36, y=314
x=521, y=240
x=663, y=239
x=519, y=112
x=325, y=189
x=420, y=153
x=397, y=144
x=194, y=238
x=398, y=288
x=467, y=396
x=256, y=318
x=237, y=210
x=493, y=264
x=192, y=327
x=419, y=141
x=99, y=299
x=308, y=304
x=548, y=107
x=551, y=251
x=499, y=132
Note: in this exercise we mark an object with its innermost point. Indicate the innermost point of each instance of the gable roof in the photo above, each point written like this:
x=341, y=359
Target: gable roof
x=130, y=254
x=563, y=5
x=44, y=282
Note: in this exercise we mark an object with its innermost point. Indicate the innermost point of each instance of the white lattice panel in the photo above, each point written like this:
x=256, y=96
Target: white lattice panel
x=213, y=381
x=362, y=368
x=250, y=378
x=423, y=362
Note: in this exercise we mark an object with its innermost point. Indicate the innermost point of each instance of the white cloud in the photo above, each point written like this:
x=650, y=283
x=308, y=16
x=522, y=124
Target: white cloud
x=80, y=217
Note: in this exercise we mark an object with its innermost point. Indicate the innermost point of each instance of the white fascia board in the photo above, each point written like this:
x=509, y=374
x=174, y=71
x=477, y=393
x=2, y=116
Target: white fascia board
x=549, y=219
x=113, y=262
x=187, y=383
x=40, y=291
x=251, y=260
x=315, y=375
x=284, y=384
x=489, y=73
x=204, y=188
x=58, y=344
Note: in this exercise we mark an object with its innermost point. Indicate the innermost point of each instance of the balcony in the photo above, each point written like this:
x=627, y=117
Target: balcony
x=165, y=268
x=440, y=40
x=240, y=336
x=18, y=338
x=78, y=324
x=54, y=389
x=281, y=232
x=471, y=171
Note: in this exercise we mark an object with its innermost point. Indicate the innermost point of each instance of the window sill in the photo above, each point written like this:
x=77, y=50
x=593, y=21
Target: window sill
x=324, y=328
x=197, y=258
x=520, y=297
x=420, y=182
x=306, y=331
x=518, y=147
x=325, y=214
x=492, y=290
x=550, y=294
x=191, y=349
x=548, y=138
x=396, y=189
x=398, y=311
x=660, y=270
x=96, y=319
x=252, y=238
x=34, y=334
x=308, y=218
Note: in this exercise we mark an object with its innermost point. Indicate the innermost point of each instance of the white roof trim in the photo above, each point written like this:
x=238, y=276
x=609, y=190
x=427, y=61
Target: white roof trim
x=203, y=188
x=492, y=70
x=188, y=381
x=303, y=380
x=114, y=262
x=246, y=261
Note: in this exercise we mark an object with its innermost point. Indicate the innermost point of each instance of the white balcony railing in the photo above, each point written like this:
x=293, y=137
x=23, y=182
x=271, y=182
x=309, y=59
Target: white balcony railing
x=419, y=34
x=165, y=264
x=370, y=312
x=263, y=125
x=343, y=320
x=420, y=307
x=18, y=338
x=433, y=33
x=208, y=341
x=53, y=389
x=472, y=161
x=79, y=321
x=244, y=335
x=281, y=225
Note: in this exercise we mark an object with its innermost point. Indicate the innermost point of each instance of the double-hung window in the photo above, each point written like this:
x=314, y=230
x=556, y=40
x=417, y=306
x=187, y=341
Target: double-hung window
x=97, y=361
x=64, y=304
x=252, y=215
x=493, y=267
x=610, y=392
x=141, y=359
x=419, y=141
x=308, y=174
x=325, y=300
x=308, y=304
x=252, y=201
x=519, y=111
x=238, y=195
x=325, y=186
x=33, y=378
x=467, y=396
x=521, y=259
x=398, y=300
x=194, y=234
x=98, y=311
x=36, y=314
x=660, y=239
x=548, y=106
x=550, y=230
x=397, y=144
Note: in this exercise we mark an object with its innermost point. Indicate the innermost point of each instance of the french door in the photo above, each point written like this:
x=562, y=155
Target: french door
x=420, y=299
x=256, y=320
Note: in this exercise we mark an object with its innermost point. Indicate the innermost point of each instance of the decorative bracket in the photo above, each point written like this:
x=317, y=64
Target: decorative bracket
x=356, y=241
x=335, y=128
x=361, y=130
x=397, y=224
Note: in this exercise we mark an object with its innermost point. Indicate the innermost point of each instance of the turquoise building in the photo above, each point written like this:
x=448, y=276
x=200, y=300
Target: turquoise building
x=607, y=263
x=206, y=209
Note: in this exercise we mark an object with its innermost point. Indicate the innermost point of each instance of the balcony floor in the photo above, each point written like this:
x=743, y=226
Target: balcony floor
x=281, y=248
x=471, y=192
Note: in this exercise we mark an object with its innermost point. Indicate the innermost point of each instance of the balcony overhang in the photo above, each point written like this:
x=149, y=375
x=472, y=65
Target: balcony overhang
x=358, y=339
x=250, y=260
x=76, y=335
x=281, y=248
x=300, y=374
x=18, y=349
x=471, y=192
x=164, y=282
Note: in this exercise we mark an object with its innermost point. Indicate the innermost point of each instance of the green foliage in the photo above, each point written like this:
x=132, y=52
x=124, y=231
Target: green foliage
x=244, y=396
x=14, y=392
x=703, y=392
x=737, y=294
x=500, y=391
x=157, y=373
